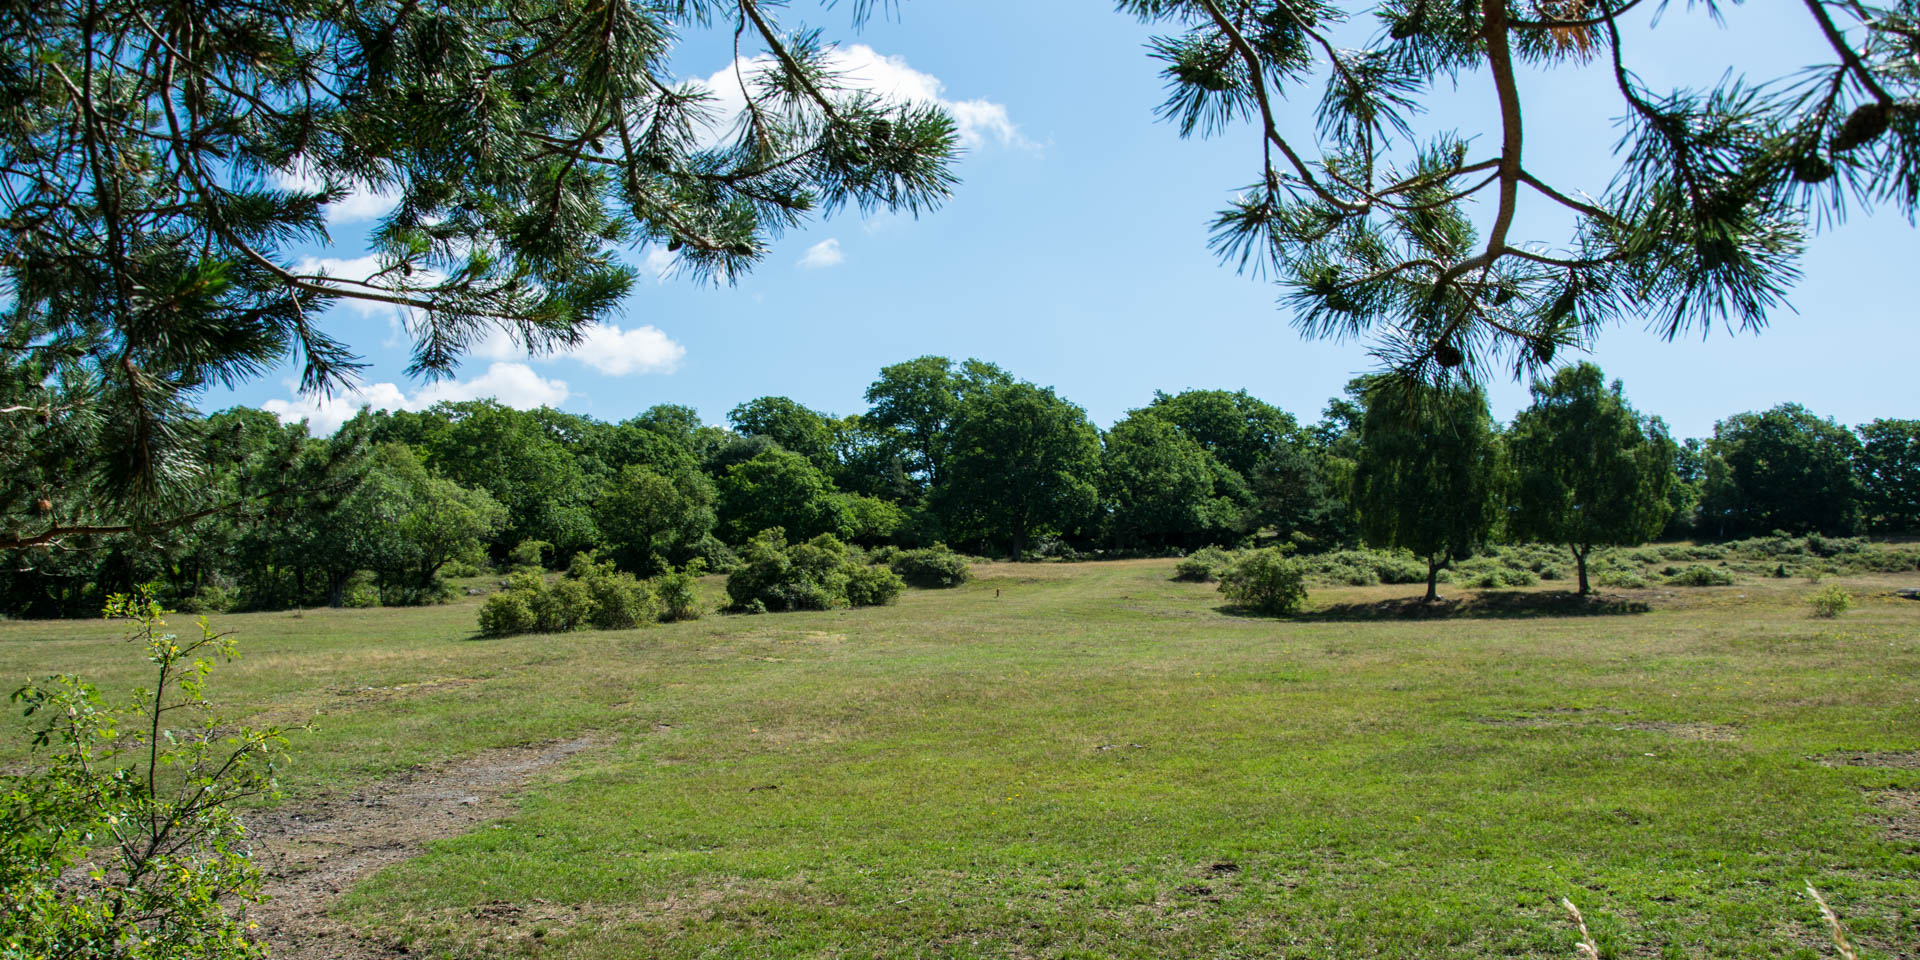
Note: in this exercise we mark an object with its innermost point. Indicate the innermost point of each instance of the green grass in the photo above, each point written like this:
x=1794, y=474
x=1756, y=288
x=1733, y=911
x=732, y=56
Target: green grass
x=1330, y=787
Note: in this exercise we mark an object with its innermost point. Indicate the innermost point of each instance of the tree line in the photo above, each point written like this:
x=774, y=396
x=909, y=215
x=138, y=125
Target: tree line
x=385, y=509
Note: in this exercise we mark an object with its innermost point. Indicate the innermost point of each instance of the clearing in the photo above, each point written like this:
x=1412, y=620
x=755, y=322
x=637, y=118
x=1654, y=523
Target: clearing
x=1097, y=762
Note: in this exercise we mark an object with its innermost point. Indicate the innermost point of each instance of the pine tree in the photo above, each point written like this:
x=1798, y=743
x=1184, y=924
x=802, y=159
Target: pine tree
x=1703, y=223
x=164, y=167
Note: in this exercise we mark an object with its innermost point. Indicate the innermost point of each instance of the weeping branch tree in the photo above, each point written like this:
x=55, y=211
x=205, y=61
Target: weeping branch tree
x=1368, y=226
x=1587, y=470
x=166, y=171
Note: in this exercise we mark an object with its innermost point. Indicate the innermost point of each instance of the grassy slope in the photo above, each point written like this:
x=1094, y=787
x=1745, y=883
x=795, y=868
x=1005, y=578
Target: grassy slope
x=1416, y=789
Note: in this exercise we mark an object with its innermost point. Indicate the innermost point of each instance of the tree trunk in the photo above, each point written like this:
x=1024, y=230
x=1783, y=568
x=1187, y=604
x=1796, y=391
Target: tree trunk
x=1433, y=580
x=1580, y=561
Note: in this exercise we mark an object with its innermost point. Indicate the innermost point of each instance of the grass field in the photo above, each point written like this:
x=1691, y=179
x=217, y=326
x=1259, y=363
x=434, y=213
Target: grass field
x=1081, y=761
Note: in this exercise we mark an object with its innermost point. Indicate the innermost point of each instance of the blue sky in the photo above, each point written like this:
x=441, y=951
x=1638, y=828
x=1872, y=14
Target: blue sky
x=1074, y=252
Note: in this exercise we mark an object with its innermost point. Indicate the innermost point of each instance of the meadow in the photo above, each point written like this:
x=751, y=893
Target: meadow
x=1091, y=760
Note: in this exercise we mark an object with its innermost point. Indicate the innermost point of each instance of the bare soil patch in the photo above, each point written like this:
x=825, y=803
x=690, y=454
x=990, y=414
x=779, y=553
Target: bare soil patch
x=1898, y=759
x=315, y=851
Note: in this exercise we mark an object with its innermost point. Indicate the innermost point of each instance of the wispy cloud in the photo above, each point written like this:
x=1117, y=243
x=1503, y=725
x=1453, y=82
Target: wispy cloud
x=978, y=122
x=824, y=254
x=513, y=384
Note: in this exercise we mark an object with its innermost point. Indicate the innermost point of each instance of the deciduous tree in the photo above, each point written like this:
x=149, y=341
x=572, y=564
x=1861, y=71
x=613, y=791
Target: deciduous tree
x=1587, y=470
x=1426, y=474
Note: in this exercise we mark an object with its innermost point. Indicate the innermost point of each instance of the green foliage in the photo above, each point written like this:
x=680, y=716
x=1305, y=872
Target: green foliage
x=592, y=594
x=1266, y=580
x=1781, y=470
x=562, y=606
x=1023, y=465
x=780, y=489
x=120, y=839
x=794, y=427
x=1426, y=471
x=529, y=555
x=1699, y=576
x=1237, y=429
x=873, y=520
x=139, y=281
x=1830, y=602
x=1158, y=487
x=620, y=602
x=819, y=574
x=932, y=567
x=506, y=614
x=872, y=586
x=678, y=593
x=1411, y=237
x=1888, y=468
x=1587, y=470
x=916, y=403
x=1204, y=565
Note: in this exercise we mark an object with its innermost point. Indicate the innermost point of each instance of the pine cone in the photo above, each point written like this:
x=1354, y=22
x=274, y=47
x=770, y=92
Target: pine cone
x=1812, y=169
x=1448, y=355
x=880, y=131
x=1865, y=124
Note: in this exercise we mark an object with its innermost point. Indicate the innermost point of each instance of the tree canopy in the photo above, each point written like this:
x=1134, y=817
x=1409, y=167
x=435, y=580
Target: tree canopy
x=1426, y=475
x=1370, y=227
x=1588, y=470
x=167, y=171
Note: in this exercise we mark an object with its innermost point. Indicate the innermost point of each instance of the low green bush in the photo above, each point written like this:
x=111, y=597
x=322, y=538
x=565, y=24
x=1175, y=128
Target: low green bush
x=873, y=586
x=506, y=614
x=592, y=594
x=1203, y=565
x=1621, y=579
x=820, y=574
x=620, y=602
x=931, y=568
x=1699, y=576
x=1830, y=602
x=1268, y=581
x=677, y=594
x=529, y=555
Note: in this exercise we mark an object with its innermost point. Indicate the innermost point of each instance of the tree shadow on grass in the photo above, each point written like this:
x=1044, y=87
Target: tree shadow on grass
x=1480, y=605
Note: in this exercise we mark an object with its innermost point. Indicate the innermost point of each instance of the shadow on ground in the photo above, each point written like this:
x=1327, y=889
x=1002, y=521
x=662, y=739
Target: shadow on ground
x=1480, y=605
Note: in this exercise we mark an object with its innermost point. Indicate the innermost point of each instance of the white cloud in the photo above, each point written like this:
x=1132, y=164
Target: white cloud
x=826, y=253
x=860, y=67
x=513, y=384
x=604, y=347
x=361, y=202
x=660, y=263
x=616, y=352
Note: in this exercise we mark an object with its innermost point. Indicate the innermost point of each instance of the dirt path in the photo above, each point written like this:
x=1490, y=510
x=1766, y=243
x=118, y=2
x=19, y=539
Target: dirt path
x=313, y=852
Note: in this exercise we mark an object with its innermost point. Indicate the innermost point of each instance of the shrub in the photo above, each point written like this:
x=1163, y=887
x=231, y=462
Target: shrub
x=931, y=568
x=361, y=592
x=1399, y=568
x=677, y=594
x=873, y=586
x=585, y=565
x=564, y=606
x=1495, y=579
x=109, y=851
x=460, y=568
x=1266, y=580
x=1699, y=576
x=1830, y=603
x=1621, y=579
x=210, y=598
x=529, y=555
x=620, y=602
x=1203, y=566
x=505, y=614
